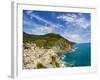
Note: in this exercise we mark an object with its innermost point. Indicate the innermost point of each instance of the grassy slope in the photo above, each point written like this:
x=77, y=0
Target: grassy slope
x=48, y=40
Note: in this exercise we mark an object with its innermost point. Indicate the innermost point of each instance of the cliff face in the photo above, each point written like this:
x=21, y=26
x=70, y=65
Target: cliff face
x=41, y=51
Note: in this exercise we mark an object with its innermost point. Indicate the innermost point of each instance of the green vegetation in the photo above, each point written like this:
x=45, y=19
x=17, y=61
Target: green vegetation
x=40, y=65
x=54, y=62
x=53, y=45
x=47, y=41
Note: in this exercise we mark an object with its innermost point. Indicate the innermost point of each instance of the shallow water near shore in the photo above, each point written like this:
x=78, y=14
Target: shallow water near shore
x=80, y=56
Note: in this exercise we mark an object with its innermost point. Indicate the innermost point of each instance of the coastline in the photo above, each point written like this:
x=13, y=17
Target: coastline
x=81, y=56
x=35, y=57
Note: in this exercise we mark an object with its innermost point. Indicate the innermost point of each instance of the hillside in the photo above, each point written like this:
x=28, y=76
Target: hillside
x=47, y=41
x=44, y=51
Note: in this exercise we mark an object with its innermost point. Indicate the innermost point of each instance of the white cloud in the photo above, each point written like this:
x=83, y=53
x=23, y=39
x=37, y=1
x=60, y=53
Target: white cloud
x=75, y=37
x=38, y=29
x=76, y=25
x=44, y=20
x=42, y=30
x=75, y=20
x=30, y=23
x=47, y=27
x=29, y=12
x=82, y=22
x=66, y=18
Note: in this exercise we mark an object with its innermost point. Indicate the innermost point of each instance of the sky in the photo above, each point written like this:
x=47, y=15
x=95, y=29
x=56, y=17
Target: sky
x=74, y=26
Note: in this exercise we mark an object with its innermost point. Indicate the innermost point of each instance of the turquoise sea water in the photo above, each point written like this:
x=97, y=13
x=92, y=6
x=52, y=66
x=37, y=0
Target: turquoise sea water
x=80, y=56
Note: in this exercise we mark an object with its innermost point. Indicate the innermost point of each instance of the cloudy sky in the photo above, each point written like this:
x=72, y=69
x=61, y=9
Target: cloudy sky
x=73, y=26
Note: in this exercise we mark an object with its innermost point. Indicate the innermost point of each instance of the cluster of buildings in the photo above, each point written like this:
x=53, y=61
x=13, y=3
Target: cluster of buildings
x=35, y=57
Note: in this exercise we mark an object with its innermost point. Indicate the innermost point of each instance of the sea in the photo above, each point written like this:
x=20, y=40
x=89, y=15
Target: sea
x=80, y=56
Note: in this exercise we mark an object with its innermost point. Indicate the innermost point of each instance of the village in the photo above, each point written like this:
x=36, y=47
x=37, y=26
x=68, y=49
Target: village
x=35, y=57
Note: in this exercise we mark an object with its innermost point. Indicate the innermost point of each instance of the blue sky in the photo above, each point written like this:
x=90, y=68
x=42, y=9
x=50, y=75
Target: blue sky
x=73, y=26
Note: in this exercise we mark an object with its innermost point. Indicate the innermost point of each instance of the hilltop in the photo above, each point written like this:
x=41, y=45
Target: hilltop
x=48, y=40
x=44, y=51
